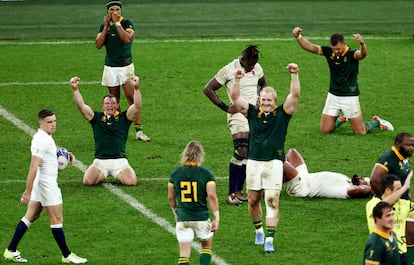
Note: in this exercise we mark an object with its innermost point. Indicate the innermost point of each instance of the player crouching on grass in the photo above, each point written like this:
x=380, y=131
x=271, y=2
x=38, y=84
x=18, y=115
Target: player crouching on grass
x=189, y=189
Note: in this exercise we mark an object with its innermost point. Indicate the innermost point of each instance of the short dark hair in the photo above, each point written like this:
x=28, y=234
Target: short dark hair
x=378, y=210
x=400, y=137
x=110, y=96
x=44, y=113
x=337, y=38
x=388, y=182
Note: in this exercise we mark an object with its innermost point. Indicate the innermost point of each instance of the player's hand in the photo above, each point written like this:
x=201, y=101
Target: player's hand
x=106, y=20
x=72, y=158
x=115, y=17
x=25, y=197
x=239, y=74
x=292, y=68
x=214, y=225
x=135, y=82
x=408, y=179
x=74, y=82
x=358, y=38
x=296, y=32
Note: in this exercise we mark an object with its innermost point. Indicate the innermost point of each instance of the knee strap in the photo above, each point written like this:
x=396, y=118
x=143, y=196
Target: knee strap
x=241, y=148
x=272, y=203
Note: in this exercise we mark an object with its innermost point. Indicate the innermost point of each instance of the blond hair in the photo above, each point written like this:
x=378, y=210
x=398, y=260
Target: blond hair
x=268, y=89
x=193, y=154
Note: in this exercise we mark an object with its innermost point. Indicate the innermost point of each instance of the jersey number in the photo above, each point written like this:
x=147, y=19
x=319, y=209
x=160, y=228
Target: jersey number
x=188, y=191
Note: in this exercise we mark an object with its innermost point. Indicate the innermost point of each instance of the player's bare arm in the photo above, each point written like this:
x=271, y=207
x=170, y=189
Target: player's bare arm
x=239, y=102
x=31, y=175
x=101, y=36
x=304, y=43
x=85, y=110
x=396, y=195
x=214, y=206
x=126, y=35
x=292, y=99
x=378, y=172
x=363, y=50
x=134, y=108
x=210, y=92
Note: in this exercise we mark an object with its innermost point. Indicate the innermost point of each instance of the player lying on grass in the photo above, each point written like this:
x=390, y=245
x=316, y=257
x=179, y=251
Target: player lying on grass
x=300, y=183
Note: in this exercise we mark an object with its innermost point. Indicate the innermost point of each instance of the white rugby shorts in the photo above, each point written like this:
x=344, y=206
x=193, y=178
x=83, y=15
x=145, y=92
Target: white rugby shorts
x=185, y=230
x=348, y=105
x=117, y=76
x=111, y=167
x=267, y=175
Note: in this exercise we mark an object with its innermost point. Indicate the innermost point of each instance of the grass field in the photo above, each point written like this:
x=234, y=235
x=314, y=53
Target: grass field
x=178, y=48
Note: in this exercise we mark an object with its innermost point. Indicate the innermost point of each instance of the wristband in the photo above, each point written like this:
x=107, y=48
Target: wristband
x=299, y=36
x=237, y=80
x=216, y=215
x=117, y=23
x=223, y=106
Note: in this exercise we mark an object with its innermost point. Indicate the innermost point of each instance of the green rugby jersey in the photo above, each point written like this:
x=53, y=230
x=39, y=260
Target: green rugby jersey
x=379, y=249
x=267, y=133
x=118, y=53
x=110, y=134
x=190, y=187
x=343, y=72
x=395, y=163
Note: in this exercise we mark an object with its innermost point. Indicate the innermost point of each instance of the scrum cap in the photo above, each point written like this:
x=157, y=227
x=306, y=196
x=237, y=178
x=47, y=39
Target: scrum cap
x=113, y=3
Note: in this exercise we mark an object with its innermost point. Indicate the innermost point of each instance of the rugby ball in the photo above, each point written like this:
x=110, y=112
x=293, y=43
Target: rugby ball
x=62, y=158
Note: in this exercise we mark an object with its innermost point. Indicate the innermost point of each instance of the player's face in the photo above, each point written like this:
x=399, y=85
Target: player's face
x=362, y=181
x=48, y=124
x=387, y=219
x=339, y=48
x=109, y=105
x=247, y=65
x=114, y=10
x=406, y=146
x=267, y=101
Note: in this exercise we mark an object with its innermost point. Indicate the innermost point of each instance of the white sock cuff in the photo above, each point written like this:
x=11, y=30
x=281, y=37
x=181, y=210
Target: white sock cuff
x=56, y=226
x=26, y=222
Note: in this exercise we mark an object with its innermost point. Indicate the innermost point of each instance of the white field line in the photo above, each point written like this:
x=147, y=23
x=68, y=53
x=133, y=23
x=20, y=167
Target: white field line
x=115, y=190
x=76, y=42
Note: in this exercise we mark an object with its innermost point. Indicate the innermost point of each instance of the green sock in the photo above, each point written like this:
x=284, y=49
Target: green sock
x=372, y=124
x=257, y=224
x=205, y=256
x=270, y=231
x=138, y=127
x=184, y=261
x=339, y=121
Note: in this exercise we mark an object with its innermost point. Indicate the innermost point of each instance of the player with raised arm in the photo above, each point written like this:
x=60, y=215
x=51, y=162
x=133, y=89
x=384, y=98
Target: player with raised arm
x=268, y=125
x=254, y=79
x=343, y=95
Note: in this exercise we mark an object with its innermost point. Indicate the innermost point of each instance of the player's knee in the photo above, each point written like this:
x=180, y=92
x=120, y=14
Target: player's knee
x=241, y=147
x=272, y=203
